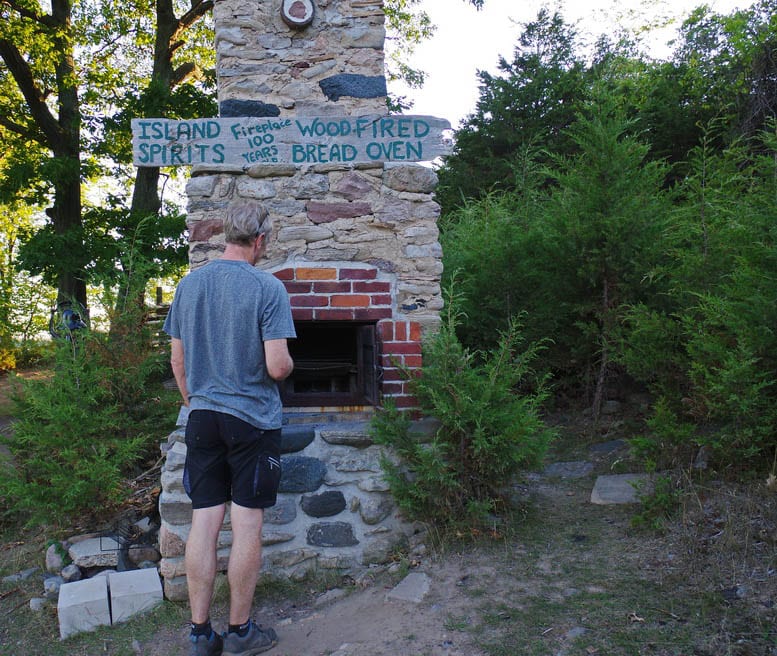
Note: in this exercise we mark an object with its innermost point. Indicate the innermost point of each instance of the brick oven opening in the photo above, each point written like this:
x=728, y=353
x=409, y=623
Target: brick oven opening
x=335, y=363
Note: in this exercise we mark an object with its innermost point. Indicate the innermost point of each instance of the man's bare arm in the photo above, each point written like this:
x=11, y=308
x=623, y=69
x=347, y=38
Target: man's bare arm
x=179, y=369
x=278, y=361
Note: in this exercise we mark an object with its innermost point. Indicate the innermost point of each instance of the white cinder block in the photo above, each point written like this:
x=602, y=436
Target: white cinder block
x=83, y=606
x=134, y=592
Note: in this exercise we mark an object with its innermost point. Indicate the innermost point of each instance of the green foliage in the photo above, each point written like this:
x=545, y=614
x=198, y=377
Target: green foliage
x=480, y=241
x=82, y=431
x=722, y=70
x=74, y=439
x=574, y=257
x=490, y=428
x=715, y=366
x=671, y=441
x=530, y=102
x=71, y=77
x=657, y=505
x=24, y=301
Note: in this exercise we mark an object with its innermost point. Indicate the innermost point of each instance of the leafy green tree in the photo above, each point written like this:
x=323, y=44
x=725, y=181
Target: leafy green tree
x=492, y=248
x=24, y=302
x=605, y=221
x=728, y=68
x=130, y=58
x=530, y=103
x=709, y=357
x=40, y=105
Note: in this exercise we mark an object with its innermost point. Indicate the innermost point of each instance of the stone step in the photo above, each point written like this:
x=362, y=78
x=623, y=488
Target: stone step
x=620, y=488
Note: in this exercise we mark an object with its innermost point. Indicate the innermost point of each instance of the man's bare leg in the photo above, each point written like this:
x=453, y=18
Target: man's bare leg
x=245, y=560
x=201, y=559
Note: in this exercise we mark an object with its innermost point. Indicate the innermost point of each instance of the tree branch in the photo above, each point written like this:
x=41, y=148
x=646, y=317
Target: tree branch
x=185, y=72
x=198, y=10
x=24, y=12
x=19, y=129
x=22, y=74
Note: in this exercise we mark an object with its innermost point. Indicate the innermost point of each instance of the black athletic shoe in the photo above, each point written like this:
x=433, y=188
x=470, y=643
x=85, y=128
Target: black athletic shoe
x=206, y=645
x=254, y=642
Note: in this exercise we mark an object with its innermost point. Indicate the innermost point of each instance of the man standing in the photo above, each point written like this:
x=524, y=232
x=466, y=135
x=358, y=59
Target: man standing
x=229, y=323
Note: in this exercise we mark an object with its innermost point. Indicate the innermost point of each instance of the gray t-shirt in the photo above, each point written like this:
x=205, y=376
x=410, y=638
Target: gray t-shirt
x=223, y=312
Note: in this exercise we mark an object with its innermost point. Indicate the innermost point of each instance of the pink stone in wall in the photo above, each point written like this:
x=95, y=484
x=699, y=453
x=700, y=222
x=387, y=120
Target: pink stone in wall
x=321, y=212
x=353, y=186
x=204, y=230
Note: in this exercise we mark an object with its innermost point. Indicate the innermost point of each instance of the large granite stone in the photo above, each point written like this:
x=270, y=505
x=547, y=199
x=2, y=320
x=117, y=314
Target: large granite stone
x=83, y=606
x=568, y=470
x=413, y=588
x=133, y=592
x=331, y=534
x=296, y=438
x=95, y=552
x=355, y=434
x=288, y=558
x=326, y=504
x=373, y=511
x=175, y=507
x=418, y=179
x=301, y=474
x=257, y=108
x=619, y=488
x=353, y=85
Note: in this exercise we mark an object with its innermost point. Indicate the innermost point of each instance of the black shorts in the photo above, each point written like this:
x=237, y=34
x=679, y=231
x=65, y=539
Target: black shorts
x=229, y=459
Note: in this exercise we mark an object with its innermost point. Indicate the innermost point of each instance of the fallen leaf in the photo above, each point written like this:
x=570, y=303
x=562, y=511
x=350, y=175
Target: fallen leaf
x=633, y=617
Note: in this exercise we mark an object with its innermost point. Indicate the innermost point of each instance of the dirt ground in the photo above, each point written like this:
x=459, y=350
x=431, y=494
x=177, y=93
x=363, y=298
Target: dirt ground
x=568, y=577
x=561, y=577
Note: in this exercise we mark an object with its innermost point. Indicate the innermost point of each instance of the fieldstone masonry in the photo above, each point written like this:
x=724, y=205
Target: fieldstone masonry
x=333, y=511
x=354, y=242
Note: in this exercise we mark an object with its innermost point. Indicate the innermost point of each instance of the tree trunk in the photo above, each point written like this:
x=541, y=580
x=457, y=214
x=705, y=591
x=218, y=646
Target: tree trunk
x=66, y=213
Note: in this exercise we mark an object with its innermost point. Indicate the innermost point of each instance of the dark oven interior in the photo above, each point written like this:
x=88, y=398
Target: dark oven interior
x=335, y=363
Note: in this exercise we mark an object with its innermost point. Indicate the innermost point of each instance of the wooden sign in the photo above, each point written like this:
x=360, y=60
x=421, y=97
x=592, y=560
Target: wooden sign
x=297, y=140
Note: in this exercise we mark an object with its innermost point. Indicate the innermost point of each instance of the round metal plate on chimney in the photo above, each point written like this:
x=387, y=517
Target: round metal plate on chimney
x=297, y=13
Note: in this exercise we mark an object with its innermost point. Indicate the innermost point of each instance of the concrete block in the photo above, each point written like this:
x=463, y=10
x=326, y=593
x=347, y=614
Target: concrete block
x=83, y=606
x=134, y=592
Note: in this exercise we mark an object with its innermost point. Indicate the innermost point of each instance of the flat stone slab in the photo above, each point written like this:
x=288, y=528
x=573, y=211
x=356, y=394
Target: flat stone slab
x=134, y=592
x=83, y=606
x=355, y=434
x=579, y=469
x=414, y=587
x=95, y=552
x=619, y=488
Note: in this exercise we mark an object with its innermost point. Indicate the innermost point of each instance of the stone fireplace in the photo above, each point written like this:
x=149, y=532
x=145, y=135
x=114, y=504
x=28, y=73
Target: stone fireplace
x=357, y=249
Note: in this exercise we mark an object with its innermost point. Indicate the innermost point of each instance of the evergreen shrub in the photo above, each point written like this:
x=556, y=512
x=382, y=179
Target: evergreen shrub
x=490, y=428
x=82, y=431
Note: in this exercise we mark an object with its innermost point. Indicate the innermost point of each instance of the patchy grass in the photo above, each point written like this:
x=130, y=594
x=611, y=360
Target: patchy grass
x=575, y=578
x=561, y=576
